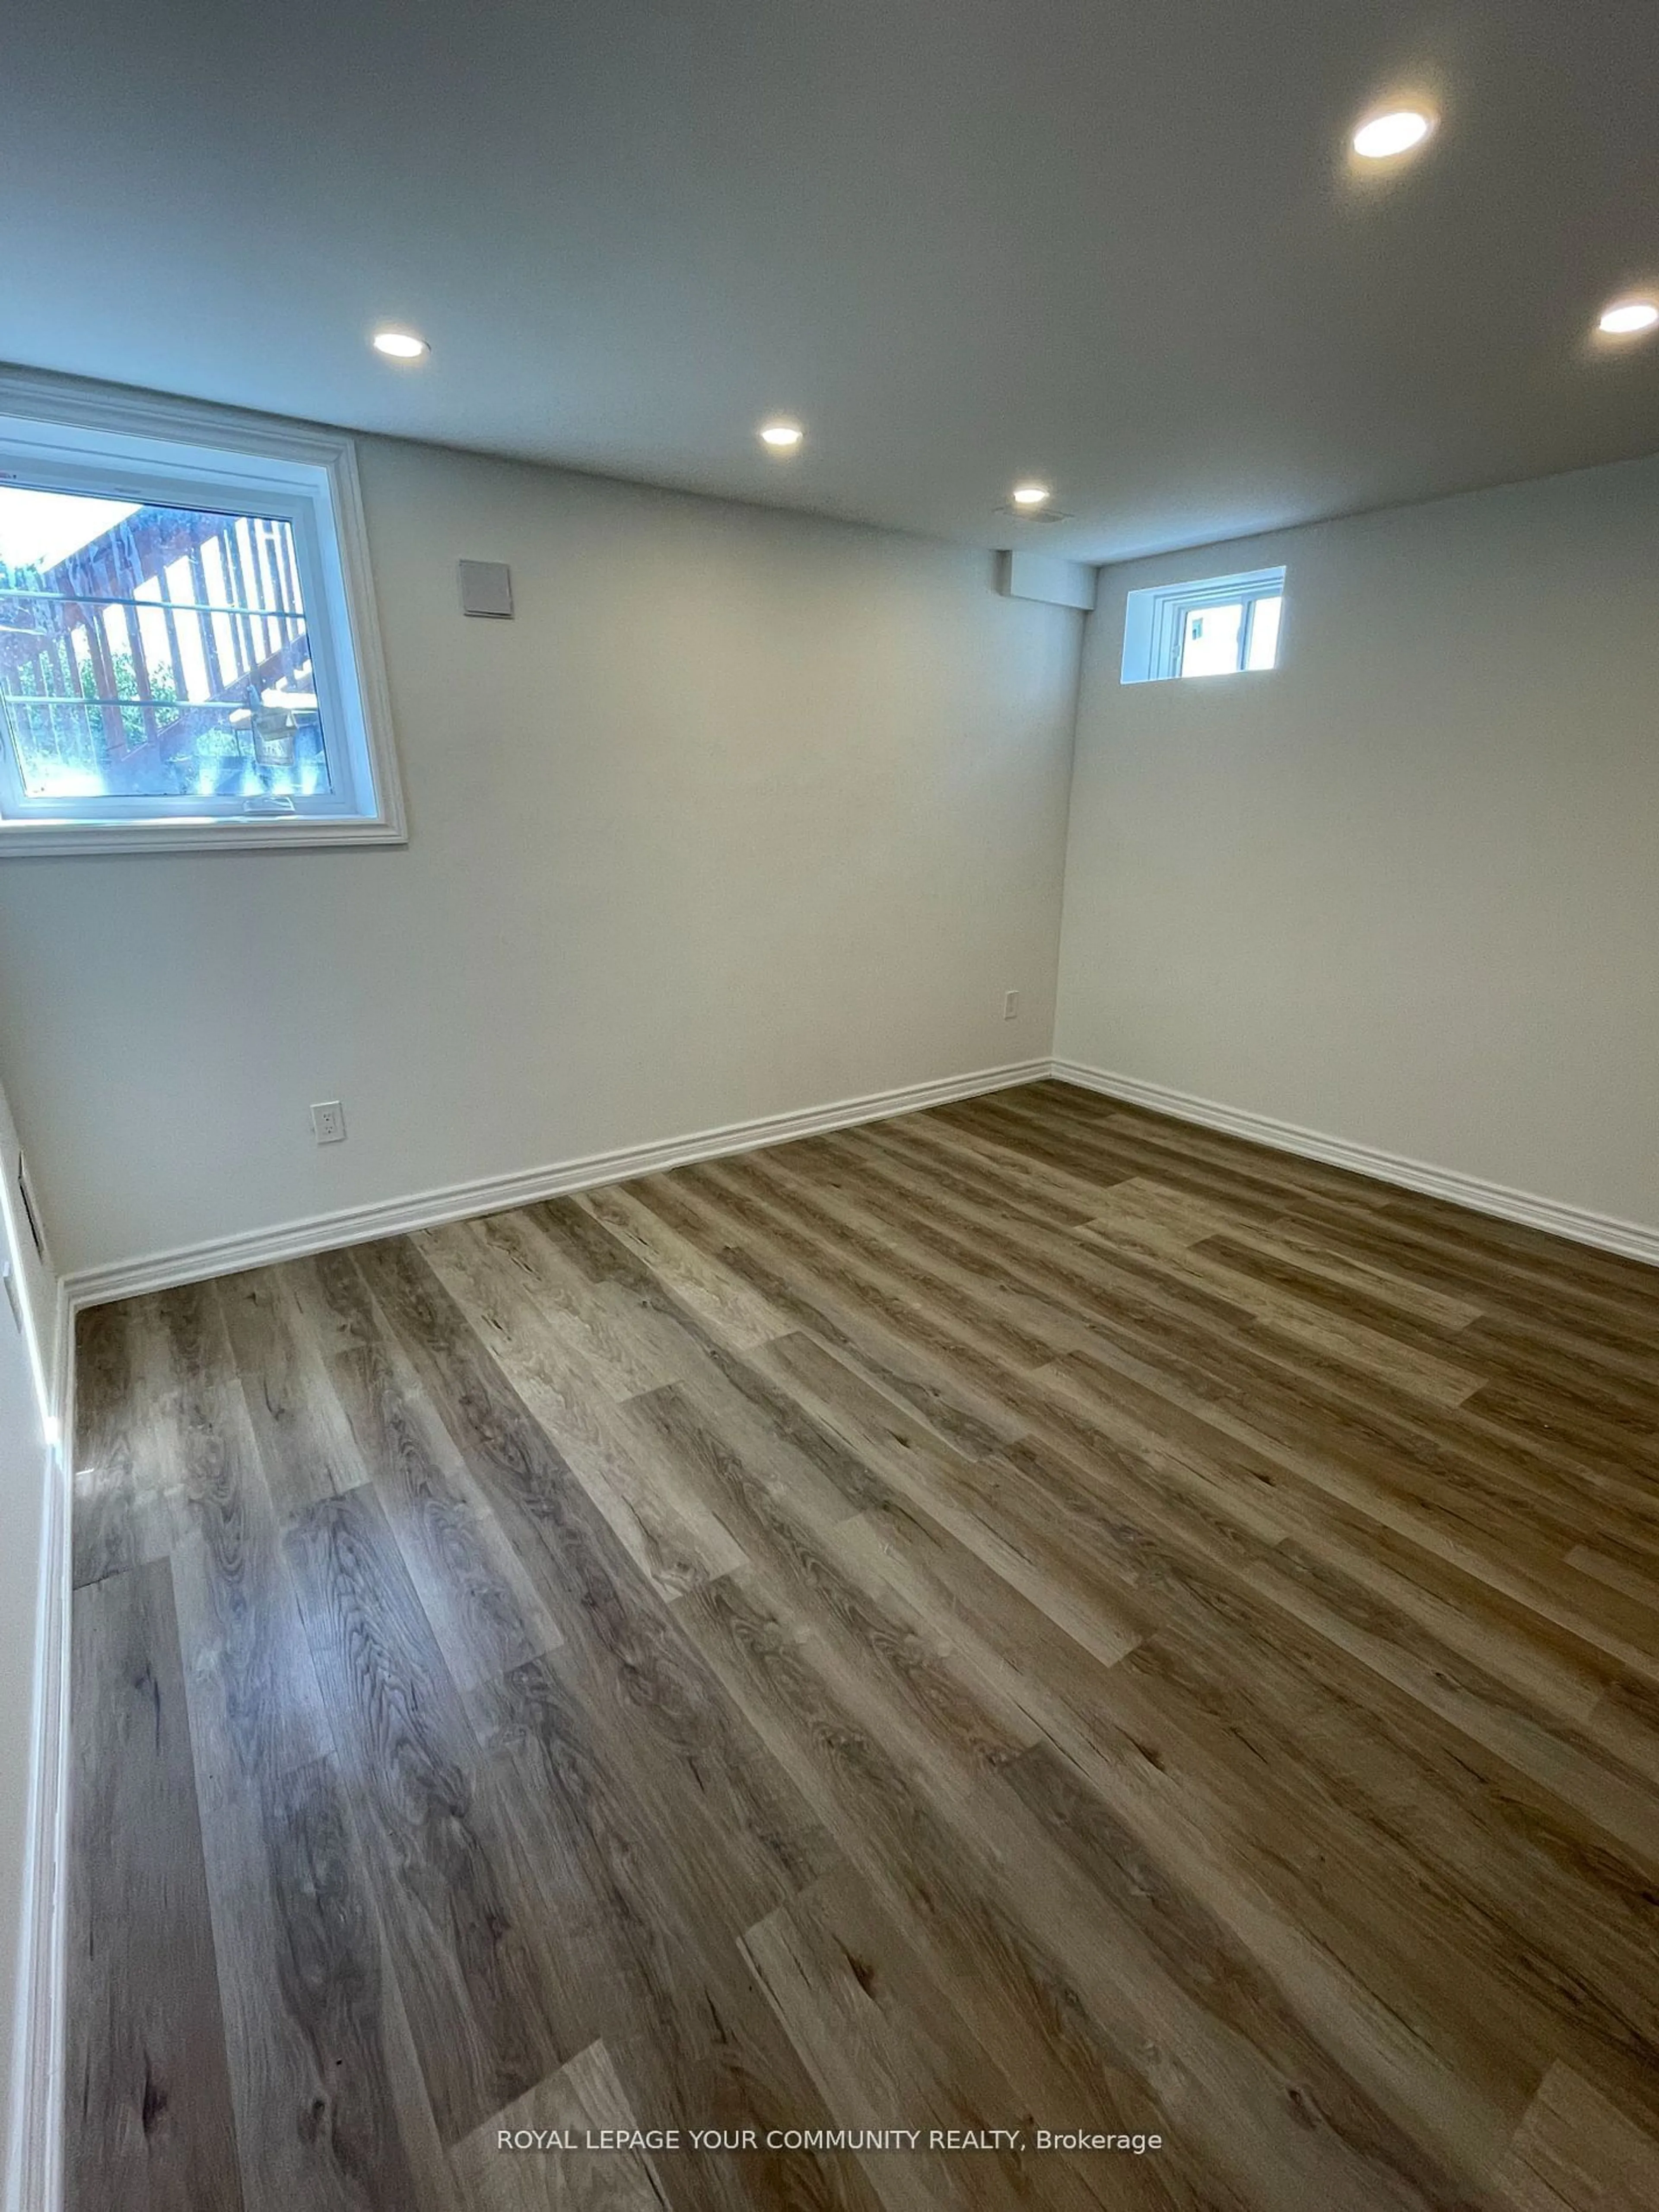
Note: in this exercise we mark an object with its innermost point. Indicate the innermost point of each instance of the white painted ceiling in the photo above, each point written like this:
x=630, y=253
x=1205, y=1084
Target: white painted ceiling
x=1110, y=242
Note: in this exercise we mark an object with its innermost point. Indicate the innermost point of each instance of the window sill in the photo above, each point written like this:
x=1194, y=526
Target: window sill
x=62, y=840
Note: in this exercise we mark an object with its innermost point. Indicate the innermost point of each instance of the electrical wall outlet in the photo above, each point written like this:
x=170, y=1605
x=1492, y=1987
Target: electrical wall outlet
x=1009, y=1005
x=328, y=1122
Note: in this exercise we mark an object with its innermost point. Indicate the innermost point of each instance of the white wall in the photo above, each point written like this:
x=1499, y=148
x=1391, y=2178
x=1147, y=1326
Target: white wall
x=24, y=1473
x=745, y=812
x=1405, y=890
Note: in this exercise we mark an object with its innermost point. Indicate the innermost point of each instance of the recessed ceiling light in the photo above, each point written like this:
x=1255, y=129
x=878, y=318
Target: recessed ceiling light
x=1031, y=495
x=400, y=345
x=1627, y=318
x=782, y=436
x=1394, y=131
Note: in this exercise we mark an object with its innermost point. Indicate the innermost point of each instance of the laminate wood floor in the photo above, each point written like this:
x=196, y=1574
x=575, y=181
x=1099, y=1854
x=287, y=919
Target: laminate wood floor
x=1029, y=1616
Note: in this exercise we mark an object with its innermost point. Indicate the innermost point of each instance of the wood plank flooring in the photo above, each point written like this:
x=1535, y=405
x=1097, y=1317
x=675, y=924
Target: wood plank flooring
x=1029, y=1616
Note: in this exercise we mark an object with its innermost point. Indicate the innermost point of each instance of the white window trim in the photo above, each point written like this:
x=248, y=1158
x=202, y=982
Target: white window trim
x=1153, y=619
x=67, y=421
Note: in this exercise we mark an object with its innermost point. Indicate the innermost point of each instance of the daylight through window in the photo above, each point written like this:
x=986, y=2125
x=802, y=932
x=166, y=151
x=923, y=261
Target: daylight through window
x=1215, y=626
x=185, y=657
x=155, y=652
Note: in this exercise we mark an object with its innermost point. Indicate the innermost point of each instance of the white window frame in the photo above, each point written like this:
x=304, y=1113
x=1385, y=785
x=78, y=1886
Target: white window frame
x=68, y=436
x=1155, y=620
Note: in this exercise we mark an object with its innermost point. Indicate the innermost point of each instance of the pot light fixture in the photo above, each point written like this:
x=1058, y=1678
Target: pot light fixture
x=1031, y=495
x=782, y=436
x=400, y=345
x=1394, y=132
x=1628, y=319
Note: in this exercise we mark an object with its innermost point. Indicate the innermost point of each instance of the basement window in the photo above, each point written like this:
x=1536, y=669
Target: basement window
x=1218, y=626
x=189, y=655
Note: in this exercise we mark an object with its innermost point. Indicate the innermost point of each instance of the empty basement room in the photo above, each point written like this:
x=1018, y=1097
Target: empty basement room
x=829, y=1136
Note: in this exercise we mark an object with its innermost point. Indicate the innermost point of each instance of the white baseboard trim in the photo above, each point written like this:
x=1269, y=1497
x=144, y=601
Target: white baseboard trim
x=34, y=2176
x=1576, y=1223
x=397, y=1217
x=495, y=1193
x=60, y=1374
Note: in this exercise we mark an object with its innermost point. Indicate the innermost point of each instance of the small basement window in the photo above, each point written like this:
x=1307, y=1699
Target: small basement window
x=1219, y=626
x=189, y=655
